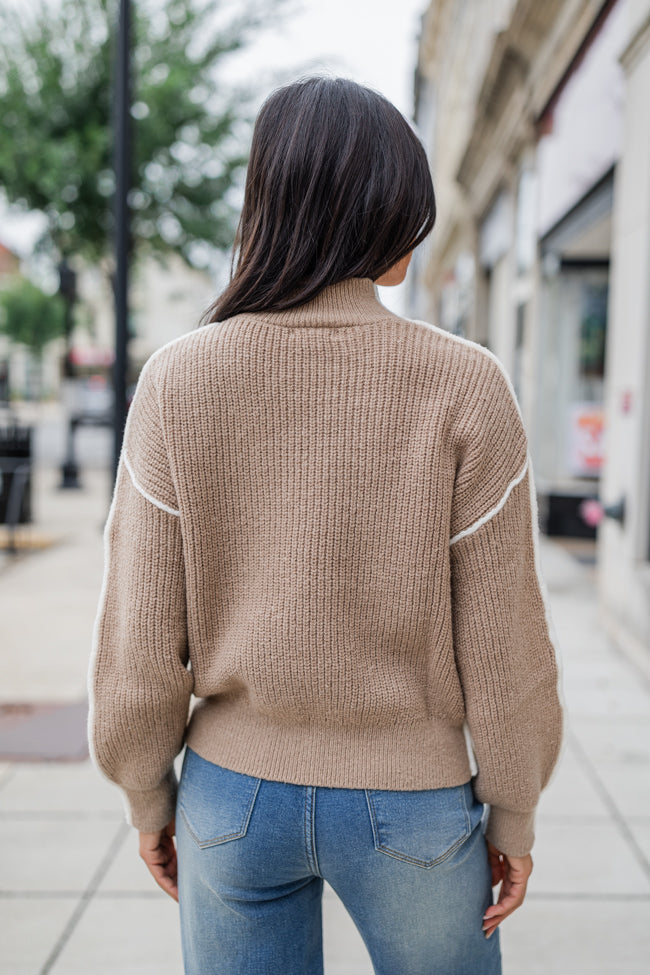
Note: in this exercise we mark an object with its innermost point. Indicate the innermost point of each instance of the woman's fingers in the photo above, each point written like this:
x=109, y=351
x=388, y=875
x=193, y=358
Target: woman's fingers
x=159, y=853
x=510, y=898
x=495, y=858
x=165, y=871
x=516, y=871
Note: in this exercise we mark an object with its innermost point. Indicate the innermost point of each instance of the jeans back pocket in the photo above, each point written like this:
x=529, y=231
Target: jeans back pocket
x=216, y=803
x=423, y=826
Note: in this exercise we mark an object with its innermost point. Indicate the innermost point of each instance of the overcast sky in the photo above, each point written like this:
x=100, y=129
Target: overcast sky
x=372, y=41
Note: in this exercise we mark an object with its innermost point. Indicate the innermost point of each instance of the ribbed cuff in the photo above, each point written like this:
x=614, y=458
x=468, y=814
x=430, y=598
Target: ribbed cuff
x=151, y=810
x=511, y=832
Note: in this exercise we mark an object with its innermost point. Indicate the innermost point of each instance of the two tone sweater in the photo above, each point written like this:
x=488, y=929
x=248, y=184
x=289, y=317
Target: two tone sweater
x=321, y=567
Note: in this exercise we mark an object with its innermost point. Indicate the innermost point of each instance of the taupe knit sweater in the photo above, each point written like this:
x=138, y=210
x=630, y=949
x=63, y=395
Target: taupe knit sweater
x=324, y=528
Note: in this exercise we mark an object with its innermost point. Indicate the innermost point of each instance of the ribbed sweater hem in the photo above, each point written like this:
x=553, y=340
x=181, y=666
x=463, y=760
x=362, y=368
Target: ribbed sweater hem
x=511, y=832
x=318, y=755
x=151, y=809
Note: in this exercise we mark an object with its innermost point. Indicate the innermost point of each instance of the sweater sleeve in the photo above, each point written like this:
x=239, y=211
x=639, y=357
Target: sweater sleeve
x=139, y=682
x=502, y=628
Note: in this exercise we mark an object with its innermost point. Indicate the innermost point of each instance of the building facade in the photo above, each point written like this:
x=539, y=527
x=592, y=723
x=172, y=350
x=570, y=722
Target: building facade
x=536, y=121
x=167, y=298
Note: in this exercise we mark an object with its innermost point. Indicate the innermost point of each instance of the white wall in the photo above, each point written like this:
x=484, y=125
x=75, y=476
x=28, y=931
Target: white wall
x=624, y=569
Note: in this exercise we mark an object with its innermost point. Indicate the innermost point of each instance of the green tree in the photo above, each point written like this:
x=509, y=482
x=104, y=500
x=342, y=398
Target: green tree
x=189, y=129
x=31, y=318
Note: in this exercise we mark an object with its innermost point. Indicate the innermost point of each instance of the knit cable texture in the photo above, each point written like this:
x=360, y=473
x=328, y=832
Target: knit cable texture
x=320, y=567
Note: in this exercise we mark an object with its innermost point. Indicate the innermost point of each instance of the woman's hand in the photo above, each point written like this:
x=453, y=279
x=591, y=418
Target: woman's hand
x=512, y=873
x=159, y=853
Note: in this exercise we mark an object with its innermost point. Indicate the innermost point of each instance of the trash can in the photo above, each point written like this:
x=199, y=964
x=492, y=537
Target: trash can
x=15, y=475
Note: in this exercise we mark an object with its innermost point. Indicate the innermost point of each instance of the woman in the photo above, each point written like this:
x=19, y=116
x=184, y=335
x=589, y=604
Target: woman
x=323, y=527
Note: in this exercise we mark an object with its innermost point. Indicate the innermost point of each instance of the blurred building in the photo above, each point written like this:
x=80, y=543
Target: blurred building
x=15, y=361
x=537, y=122
x=166, y=300
x=9, y=263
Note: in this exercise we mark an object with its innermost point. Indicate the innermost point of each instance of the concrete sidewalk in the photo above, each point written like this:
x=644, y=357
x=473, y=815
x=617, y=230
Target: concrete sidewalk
x=75, y=897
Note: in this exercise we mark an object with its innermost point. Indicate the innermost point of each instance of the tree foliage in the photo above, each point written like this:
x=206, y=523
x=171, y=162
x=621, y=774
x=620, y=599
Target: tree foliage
x=30, y=317
x=189, y=130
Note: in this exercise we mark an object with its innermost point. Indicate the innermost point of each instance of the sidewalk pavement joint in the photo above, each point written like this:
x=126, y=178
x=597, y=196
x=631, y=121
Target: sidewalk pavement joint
x=609, y=801
x=86, y=897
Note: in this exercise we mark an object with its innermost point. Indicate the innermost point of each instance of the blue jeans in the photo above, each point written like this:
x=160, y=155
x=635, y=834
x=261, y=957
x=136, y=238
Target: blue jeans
x=411, y=869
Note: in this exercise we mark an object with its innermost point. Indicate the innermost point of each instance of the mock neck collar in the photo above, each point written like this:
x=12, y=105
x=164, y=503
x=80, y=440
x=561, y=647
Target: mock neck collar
x=354, y=301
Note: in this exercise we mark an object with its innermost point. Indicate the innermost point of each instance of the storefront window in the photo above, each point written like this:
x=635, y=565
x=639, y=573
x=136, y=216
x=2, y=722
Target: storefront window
x=593, y=324
x=571, y=409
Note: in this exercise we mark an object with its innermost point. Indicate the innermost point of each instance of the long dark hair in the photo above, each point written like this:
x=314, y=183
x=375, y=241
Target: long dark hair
x=338, y=186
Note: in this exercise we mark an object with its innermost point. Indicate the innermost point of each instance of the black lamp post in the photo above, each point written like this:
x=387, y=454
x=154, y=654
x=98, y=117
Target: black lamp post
x=68, y=291
x=122, y=158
